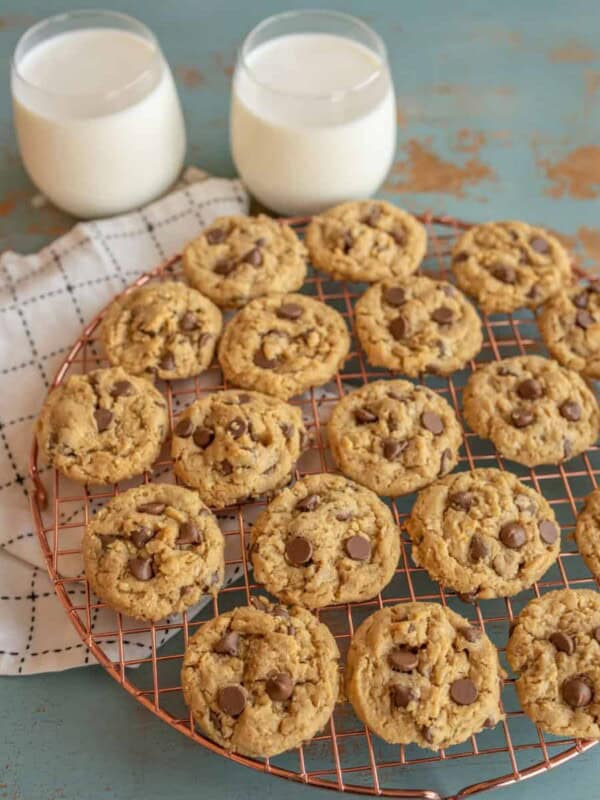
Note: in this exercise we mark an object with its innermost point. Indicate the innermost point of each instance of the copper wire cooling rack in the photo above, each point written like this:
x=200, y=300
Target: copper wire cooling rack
x=344, y=756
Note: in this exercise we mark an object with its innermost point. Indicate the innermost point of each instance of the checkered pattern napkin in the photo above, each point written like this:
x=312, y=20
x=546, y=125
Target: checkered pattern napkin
x=45, y=300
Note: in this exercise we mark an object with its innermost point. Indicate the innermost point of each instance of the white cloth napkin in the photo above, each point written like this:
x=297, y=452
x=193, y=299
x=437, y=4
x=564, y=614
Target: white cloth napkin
x=45, y=300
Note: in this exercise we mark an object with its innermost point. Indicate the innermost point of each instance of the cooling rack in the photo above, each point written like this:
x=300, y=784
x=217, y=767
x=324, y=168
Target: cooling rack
x=344, y=756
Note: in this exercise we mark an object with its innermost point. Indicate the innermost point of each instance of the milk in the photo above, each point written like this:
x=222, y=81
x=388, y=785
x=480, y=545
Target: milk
x=302, y=137
x=98, y=120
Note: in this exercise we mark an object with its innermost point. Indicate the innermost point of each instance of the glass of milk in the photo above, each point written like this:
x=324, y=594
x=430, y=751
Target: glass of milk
x=96, y=111
x=313, y=115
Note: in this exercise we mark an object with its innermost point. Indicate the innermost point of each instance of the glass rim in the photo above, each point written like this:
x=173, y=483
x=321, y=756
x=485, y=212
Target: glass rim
x=379, y=49
x=83, y=13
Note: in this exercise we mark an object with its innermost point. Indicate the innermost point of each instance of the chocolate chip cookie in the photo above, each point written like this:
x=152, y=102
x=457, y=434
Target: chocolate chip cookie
x=555, y=650
x=533, y=410
x=587, y=532
x=394, y=437
x=366, y=240
x=326, y=540
x=510, y=265
x=165, y=330
x=483, y=533
x=234, y=445
x=416, y=326
x=570, y=326
x=420, y=673
x=102, y=427
x=153, y=551
x=283, y=345
x=238, y=258
x=261, y=680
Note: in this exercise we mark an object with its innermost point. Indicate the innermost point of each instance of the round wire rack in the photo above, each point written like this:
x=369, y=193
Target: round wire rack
x=345, y=756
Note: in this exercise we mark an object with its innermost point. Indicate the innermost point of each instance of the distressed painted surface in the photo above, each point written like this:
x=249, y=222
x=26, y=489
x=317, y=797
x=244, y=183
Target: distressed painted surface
x=498, y=116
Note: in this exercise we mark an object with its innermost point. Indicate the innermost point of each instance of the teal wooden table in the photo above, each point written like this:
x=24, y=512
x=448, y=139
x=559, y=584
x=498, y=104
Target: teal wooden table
x=498, y=117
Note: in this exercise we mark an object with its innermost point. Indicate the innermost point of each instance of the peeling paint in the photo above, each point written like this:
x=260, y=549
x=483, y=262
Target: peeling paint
x=191, y=77
x=401, y=118
x=573, y=52
x=592, y=82
x=7, y=206
x=226, y=65
x=469, y=141
x=590, y=239
x=425, y=171
x=11, y=22
x=577, y=174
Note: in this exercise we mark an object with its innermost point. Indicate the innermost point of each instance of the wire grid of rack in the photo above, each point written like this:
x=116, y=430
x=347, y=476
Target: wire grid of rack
x=344, y=756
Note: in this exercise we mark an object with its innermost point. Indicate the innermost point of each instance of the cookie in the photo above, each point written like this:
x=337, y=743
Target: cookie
x=555, y=650
x=510, y=265
x=283, y=345
x=533, y=410
x=102, y=427
x=164, y=330
x=570, y=326
x=238, y=258
x=419, y=325
x=483, y=533
x=394, y=437
x=232, y=446
x=587, y=532
x=418, y=672
x=366, y=240
x=153, y=551
x=326, y=540
x=261, y=680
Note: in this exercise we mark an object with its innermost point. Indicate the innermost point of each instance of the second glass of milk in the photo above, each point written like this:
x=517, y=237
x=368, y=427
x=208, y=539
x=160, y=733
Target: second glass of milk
x=313, y=114
x=96, y=111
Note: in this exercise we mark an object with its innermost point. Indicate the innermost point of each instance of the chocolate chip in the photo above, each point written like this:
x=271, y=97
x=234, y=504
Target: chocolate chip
x=344, y=516
x=461, y=501
x=505, y=273
x=184, y=428
x=290, y=311
x=188, y=534
x=576, y=691
x=398, y=327
x=287, y=429
x=225, y=266
x=253, y=257
x=570, y=410
x=347, y=242
x=232, y=700
x=539, y=245
x=228, y=644
x=469, y=597
x=394, y=296
x=308, y=503
x=401, y=695
x=402, y=659
x=567, y=448
x=463, y=691
x=445, y=461
x=478, y=548
x=460, y=256
x=167, y=362
x=141, y=568
x=432, y=422
x=596, y=633
x=373, y=216
x=583, y=319
x=471, y=634
x=122, y=389
x=237, y=427
x=151, y=508
x=215, y=235
x=513, y=535
x=358, y=548
x=103, y=418
x=226, y=467
x=280, y=686
x=490, y=723
x=428, y=733
x=548, y=531
x=215, y=720
x=261, y=360
x=140, y=536
x=393, y=448
x=298, y=551
x=581, y=300
x=364, y=416
x=522, y=417
x=562, y=642
x=530, y=389
x=188, y=322
x=442, y=315
x=203, y=436
x=399, y=237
